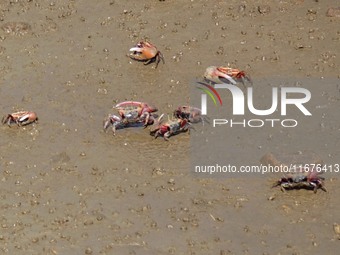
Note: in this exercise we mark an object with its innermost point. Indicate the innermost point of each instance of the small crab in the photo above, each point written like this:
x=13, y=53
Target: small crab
x=192, y=114
x=133, y=111
x=146, y=52
x=169, y=128
x=225, y=75
x=302, y=178
x=21, y=118
x=118, y=123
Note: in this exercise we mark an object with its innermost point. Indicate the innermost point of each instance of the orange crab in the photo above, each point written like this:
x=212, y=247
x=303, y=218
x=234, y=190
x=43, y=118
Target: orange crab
x=225, y=75
x=146, y=52
x=21, y=118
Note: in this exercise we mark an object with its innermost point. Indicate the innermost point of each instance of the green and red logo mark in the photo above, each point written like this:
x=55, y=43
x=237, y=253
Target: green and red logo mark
x=208, y=92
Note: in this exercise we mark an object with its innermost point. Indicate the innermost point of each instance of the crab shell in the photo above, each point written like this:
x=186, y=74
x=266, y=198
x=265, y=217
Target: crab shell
x=236, y=73
x=216, y=75
x=226, y=75
x=174, y=125
x=21, y=118
x=118, y=123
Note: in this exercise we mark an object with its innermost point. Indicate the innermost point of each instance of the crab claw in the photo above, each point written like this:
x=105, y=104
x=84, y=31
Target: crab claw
x=144, y=106
x=160, y=118
x=127, y=104
x=136, y=49
x=24, y=118
x=212, y=73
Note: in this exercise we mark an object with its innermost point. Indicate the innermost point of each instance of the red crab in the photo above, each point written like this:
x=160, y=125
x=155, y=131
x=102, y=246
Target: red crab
x=226, y=75
x=169, y=128
x=192, y=114
x=302, y=178
x=146, y=52
x=21, y=118
x=132, y=112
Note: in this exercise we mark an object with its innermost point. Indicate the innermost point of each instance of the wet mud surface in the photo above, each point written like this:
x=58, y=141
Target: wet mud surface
x=69, y=188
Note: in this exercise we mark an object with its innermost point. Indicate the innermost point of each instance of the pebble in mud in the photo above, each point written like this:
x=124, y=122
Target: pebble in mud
x=263, y=9
x=336, y=228
x=333, y=12
x=16, y=28
x=88, y=251
x=271, y=198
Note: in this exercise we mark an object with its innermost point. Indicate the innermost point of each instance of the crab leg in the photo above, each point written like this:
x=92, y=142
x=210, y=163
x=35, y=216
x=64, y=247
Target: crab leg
x=6, y=119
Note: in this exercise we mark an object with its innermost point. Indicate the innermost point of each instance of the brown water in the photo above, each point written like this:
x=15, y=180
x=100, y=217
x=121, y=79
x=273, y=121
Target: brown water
x=69, y=188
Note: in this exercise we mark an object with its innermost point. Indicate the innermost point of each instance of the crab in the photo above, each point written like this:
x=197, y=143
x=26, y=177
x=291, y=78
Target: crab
x=118, y=123
x=169, y=128
x=192, y=114
x=226, y=75
x=302, y=178
x=21, y=118
x=146, y=52
x=133, y=112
